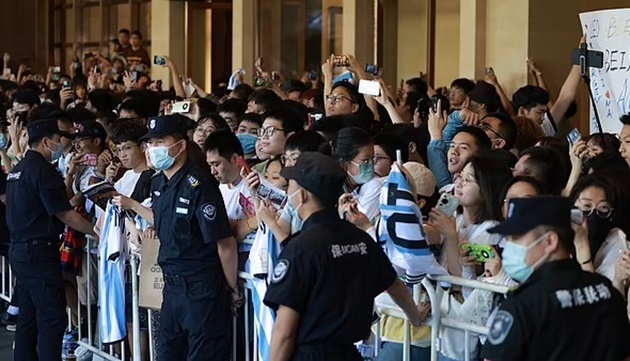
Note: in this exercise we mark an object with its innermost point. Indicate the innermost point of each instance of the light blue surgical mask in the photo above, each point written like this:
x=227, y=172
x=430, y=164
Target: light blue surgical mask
x=366, y=172
x=4, y=141
x=248, y=142
x=56, y=153
x=160, y=157
x=514, y=262
x=289, y=203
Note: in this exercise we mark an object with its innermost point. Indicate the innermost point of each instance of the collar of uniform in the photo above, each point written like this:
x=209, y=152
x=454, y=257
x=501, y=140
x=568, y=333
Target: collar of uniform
x=551, y=268
x=34, y=154
x=179, y=175
x=320, y=217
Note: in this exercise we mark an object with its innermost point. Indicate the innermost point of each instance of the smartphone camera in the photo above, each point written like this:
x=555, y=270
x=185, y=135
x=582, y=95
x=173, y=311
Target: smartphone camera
x=371, y=69
x=67, y=84
x=260, y=82
x=159, y=60
x=434, y=104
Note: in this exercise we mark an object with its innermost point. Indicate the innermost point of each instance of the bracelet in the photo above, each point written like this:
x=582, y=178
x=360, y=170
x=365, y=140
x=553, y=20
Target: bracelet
x=587, y=262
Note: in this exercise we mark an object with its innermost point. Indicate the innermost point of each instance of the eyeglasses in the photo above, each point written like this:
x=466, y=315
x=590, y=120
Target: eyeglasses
x=459, y=179
x=487, y=127
x=337, y=98
x=268, y=132
x=204, y=131
x=602, y=210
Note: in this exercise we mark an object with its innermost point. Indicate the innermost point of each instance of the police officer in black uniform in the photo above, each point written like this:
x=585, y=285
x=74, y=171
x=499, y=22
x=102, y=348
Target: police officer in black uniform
x=326, y=278
x=559, y=312
x=37, y=208
x=198, y=254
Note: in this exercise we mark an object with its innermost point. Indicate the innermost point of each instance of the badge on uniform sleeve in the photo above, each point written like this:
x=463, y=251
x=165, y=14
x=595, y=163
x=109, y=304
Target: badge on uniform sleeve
x=209, y=211
x=194, y=182
x=280, y=271
x=500, y=328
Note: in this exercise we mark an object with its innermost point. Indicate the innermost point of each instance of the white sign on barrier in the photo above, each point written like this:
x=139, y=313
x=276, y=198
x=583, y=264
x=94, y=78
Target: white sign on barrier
x=609, y=31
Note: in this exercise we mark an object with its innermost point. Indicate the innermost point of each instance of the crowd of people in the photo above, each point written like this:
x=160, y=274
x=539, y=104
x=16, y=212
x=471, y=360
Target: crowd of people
x=284, y=179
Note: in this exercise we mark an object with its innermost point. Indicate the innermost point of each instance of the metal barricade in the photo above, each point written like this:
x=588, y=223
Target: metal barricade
x=437, y=320
x=8, y=282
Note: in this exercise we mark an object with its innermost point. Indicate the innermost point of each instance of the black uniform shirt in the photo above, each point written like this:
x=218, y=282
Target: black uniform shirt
x=190, y=218
x=35, y=194
x=330, y=273
x=560, y=313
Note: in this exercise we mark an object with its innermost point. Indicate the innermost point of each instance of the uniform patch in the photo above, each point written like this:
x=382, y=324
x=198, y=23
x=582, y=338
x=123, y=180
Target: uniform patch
x=157, y=193
x=209, y=211
x=280, y=271
x=181, y=210
x=152, y=124
x=500, y=328
x=14, y=176
x=194, y=182
x=184, y=200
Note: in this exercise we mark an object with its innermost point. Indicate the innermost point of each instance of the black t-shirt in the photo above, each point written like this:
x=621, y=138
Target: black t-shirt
x=330, y=273
x=35, y=194
x=190, y=219
x=560, y=313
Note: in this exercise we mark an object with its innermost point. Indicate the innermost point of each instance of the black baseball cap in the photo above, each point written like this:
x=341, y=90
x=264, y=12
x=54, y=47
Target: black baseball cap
x=484, y=93
x=42, y=128
x=88, y=129
x=318, y=174
x=525, y=214
x=26, y=96
x=167, y=125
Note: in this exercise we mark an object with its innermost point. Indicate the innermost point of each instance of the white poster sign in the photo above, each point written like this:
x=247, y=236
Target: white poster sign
x=609, y=32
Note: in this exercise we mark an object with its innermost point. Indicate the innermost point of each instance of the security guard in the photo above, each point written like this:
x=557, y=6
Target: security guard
x=197, y=252
x=559, y=312
x=37, y=208
x=326, y=278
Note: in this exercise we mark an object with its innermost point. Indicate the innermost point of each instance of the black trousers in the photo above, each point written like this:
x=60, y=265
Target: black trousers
x=196, y=319
x=42, y=301
x=326, y=352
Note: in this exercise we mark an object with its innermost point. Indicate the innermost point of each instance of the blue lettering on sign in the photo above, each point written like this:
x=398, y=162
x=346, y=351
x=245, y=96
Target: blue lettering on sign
x=624, y=101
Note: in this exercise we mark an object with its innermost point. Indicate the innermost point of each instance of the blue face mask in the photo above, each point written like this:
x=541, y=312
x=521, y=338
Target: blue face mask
x=366, y=172
x=160, y=157
x=3, y=141
x=248, y=142
x=56, y=153
x=514, y=262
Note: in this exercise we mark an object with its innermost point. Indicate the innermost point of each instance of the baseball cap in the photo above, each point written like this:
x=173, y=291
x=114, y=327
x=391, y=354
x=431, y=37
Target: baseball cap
x=318, y=174
x=164, y=125
x=423, y=178
x=484, y=93
x=42, y=128
x=88, y=129
x=525, y=214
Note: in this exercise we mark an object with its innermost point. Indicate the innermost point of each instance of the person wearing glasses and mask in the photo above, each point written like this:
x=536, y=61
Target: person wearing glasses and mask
x=353, y=149
x=559, y=311
x=278, y=125
x=198, y=254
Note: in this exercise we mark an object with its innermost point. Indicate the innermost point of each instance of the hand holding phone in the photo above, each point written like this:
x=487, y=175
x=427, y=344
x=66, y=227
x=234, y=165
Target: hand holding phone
x=243, y=165
x=91, y=160
x=448, y=204
x=159, y=60
x=341, y=61
x=481, y=252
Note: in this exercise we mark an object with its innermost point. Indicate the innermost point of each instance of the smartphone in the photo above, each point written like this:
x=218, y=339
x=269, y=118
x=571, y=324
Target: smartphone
x=341, y=61
x=573, y=136
x=56, y=69
x=134, y=75
x=371, y=69
x=594, y=59
x=55, y=77
x=260, y=82
x=91, y=160
x=448, y=204
x=577, y=216
x=246, y=204
x=312, y=75
x=67, y=84
x=275, y=76
x=481, y=252
x=181, y=107
x=369, y=87
x=159, y=60
x=434, y=104
x=243, y=164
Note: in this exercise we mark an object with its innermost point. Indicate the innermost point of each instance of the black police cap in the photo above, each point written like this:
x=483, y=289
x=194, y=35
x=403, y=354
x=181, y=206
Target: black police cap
x=43, y=128
x=319, y=175
x=162, y=126
x=525, y=214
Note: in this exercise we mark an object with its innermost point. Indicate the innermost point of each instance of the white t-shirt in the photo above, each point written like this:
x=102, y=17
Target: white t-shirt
x=369, y=195
x=63, y=163
x=231, y=199
x=609, y=253
x=127, y=183
x=547, y=127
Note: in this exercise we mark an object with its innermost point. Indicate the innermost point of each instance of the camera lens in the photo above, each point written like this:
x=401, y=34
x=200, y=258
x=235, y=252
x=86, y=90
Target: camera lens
x=485, y=254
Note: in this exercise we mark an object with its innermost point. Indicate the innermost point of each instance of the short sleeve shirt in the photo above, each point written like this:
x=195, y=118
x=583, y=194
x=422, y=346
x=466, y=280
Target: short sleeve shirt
x=35, y=195
x=330, y=273
x=560, y=313
x=190, y=219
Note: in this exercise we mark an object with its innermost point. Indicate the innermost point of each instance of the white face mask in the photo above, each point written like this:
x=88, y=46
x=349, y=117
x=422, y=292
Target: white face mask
x=291, y=203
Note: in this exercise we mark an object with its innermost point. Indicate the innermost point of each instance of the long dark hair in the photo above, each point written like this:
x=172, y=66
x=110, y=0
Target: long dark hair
x=348, y=142
x=491, y=174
